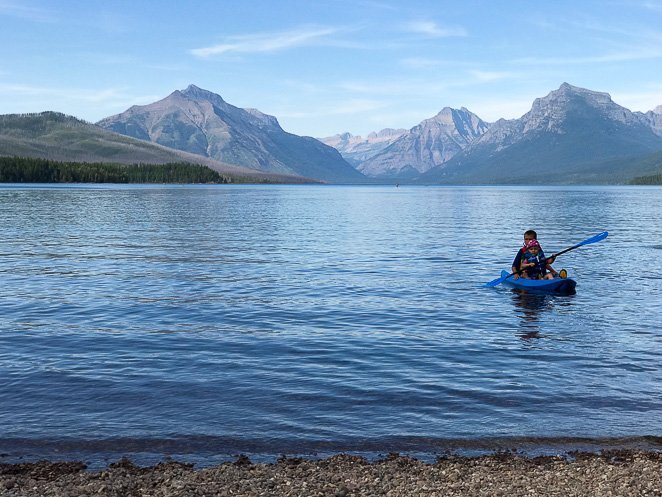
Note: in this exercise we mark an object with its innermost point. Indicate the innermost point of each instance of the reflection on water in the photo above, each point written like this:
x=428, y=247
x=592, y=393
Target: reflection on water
x=530, y=308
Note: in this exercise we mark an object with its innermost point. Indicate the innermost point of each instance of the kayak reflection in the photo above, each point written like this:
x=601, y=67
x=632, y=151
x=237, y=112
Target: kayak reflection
x=530, y=308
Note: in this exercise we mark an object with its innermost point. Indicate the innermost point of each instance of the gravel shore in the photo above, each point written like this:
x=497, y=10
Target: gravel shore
x=613, y=473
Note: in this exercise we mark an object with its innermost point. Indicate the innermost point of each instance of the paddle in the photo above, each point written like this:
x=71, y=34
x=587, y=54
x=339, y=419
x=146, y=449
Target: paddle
x=593, y=239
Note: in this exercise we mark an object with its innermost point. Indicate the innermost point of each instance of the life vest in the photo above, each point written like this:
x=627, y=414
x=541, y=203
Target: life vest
x=540, y=266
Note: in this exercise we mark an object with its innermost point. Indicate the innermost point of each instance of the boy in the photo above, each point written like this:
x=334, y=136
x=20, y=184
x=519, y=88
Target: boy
x=534, y=265
x=517, y=262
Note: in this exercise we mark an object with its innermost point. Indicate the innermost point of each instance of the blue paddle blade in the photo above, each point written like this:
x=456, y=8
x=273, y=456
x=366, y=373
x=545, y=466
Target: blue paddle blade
x=599, y=237
x=497, y=281
x=596, y=238
x=593, y=239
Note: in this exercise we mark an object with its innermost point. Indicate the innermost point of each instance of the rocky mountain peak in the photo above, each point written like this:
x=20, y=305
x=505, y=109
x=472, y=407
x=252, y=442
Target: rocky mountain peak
x=195, y=93
x=453, y=122
x=263, y=119
x=386, y=134
x=356, y=149
x=552, y=112
x=444, y=116
x=429, y=144
x=567, y=91
x=201, y=122
x=342, y=141
x=654, y=119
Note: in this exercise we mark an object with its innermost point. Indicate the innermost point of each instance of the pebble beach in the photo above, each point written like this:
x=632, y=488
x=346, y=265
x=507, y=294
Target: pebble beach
x=610, y=473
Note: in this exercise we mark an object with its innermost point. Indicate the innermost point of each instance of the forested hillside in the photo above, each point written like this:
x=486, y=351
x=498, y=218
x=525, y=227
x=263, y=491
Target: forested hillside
x=31, y=170
x=654, y=179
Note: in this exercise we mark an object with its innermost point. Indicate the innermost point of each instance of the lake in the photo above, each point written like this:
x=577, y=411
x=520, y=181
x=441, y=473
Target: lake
x=202, y=322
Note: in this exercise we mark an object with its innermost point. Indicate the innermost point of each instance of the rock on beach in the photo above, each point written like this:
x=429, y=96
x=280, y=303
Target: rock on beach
x=613, y=473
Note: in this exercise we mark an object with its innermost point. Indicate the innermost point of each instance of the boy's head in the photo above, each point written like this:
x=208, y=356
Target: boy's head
x=530, y=235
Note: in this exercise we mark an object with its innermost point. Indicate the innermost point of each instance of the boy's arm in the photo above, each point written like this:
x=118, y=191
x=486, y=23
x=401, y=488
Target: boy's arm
x=548, y=263
x=525, y=265
x=517, y=263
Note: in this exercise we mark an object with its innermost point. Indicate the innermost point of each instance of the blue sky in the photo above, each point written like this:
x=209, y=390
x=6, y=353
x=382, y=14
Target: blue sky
x=324, y=67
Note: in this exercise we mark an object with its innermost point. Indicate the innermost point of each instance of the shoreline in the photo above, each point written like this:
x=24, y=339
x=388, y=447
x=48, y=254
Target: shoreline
x=204, y=451
x=620, y=472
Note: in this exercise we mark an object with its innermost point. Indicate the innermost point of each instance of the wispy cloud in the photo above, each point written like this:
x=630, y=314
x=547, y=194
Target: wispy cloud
x=111, y=22
x=643, y=101
x=493, y=109
x=344, y=108
x=268, y=42
x=393, y=87
x=64, y=93
x=419, y=62
x=357, y=106
x=20, y=10
x=431, y=29
x=487, y=76
x=78, y=101
x=371, y=4
x=611, y=43
x=654, y=6
x=428, y=87
x=624, y=56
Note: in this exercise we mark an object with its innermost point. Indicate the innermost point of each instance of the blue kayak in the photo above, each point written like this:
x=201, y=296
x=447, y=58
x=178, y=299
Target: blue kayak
x=563, y=286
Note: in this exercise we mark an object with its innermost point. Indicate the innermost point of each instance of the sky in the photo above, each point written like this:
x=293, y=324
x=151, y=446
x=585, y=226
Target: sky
x=329, y=66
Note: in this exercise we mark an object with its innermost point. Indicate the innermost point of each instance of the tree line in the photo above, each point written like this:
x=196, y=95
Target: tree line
x=653, y=179
x=33, y=170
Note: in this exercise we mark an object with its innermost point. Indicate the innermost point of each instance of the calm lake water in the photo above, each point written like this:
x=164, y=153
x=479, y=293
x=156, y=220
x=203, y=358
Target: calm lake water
x=201, y=322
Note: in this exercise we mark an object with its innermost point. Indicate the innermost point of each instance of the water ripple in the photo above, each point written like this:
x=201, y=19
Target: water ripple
x=285, y=318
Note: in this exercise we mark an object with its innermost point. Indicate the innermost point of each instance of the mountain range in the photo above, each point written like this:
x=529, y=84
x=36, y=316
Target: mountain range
x=356, y=149
x=571, y=136
x=423, y=147
x=201, y=122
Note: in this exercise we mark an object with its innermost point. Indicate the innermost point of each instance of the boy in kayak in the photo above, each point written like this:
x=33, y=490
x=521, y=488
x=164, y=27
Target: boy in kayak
x=533, y=264
x=517, y=262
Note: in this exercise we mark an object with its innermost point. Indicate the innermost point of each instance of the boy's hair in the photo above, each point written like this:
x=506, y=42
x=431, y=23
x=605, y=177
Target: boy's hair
x=531, y=233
